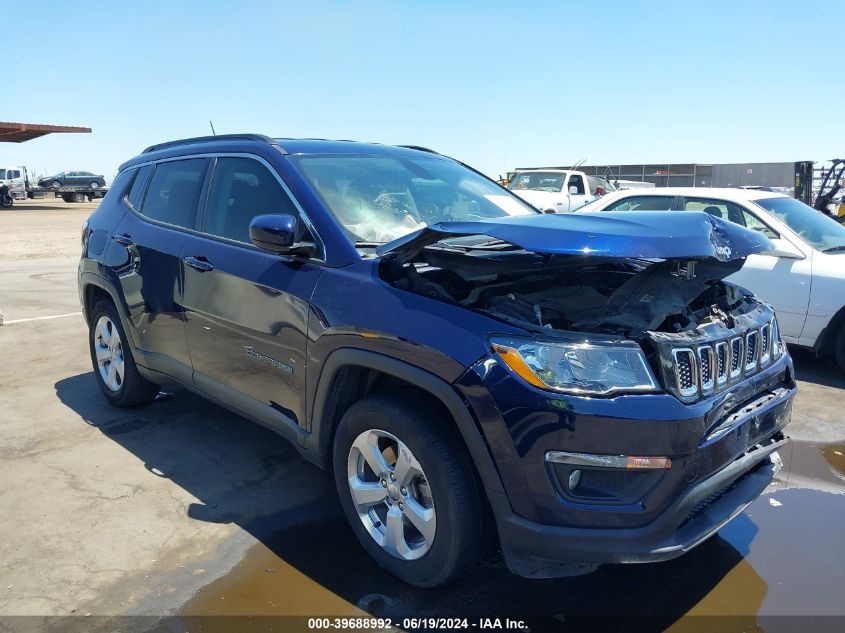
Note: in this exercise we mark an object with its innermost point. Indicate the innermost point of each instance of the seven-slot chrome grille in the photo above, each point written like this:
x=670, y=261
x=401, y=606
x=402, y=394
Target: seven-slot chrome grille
x=701, y=369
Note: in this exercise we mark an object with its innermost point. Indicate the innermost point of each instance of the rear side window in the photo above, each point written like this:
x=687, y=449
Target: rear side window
x=139, y=185
x=643, y=203
x=174, y=191
x=242, y=188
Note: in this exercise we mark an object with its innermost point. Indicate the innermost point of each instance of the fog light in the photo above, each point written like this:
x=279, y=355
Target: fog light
x=574, y=479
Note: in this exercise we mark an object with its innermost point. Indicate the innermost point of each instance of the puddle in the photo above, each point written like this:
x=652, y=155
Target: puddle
x=784, y=555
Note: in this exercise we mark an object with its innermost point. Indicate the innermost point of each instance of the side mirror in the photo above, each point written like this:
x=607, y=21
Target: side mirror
x=573, y=190
x=783, y=249
x=277, y=234
x=779, y=252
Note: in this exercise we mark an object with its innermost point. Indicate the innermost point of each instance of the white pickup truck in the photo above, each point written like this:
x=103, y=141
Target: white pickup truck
x=554, y=190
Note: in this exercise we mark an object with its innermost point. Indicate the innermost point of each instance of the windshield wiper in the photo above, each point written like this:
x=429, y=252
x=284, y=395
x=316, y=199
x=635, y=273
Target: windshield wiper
x=834, y=249
x=368, y=244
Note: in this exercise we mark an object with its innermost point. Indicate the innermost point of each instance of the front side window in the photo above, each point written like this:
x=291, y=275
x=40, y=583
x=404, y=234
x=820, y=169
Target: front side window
x=174, y=191
x=242, y=188
x=817, y=229
x=729, y=211
x=378, y=198
x=576, y=181
x=643, y=203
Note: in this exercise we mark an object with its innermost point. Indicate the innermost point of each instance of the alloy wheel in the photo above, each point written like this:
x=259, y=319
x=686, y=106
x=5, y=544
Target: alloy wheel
x=108, y=350
x=391, y=494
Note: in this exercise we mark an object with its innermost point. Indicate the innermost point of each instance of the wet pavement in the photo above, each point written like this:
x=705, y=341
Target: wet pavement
x=784, y=556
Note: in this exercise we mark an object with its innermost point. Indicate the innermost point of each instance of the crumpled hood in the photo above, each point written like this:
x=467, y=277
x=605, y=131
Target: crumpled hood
x=631, y=234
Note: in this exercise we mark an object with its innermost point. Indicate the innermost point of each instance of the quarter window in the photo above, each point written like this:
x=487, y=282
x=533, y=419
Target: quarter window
x=139, y=185
x=174, y=191
x=241, y=189
x=643, y=203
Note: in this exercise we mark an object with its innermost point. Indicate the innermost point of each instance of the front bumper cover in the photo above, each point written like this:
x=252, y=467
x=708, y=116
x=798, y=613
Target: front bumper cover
x=543, y=551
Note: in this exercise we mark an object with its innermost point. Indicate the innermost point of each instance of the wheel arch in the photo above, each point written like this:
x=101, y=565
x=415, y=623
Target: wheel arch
x=94, y=287
x=350, y=374
x=827, y=338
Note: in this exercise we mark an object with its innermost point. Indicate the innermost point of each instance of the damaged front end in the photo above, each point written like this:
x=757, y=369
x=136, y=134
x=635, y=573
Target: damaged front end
x=608, y=301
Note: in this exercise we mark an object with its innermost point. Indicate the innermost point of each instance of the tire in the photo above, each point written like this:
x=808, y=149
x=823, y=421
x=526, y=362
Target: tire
x=56, y=184
x=94, y=184
x=79, y=197
x=446, y=490
x=129, y=389
x=839, y=348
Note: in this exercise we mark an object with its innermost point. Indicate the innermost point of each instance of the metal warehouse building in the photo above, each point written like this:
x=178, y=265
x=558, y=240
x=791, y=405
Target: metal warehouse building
x=797, y=176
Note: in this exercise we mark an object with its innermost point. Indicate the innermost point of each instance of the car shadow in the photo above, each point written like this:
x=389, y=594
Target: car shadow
x=818, y=371
x=244, y=474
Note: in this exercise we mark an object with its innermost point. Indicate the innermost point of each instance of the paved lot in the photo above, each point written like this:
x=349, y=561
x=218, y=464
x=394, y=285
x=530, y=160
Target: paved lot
x=181, y=508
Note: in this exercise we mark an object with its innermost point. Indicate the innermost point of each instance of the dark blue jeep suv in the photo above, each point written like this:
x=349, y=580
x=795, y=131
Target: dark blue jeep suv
x=584, y=389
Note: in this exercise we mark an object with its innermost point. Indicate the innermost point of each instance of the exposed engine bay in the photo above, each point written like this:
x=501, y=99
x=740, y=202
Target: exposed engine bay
x=612, y=296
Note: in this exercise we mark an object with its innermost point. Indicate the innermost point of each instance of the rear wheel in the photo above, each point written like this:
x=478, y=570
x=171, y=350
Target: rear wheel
x=114, y=367
x=79, y=197
x=408, y=490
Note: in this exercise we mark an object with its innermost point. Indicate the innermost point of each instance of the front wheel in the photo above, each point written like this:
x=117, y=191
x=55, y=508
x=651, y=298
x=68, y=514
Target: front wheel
x=114, y=366
x=839, y=348
x=56, y=184
x=409, y=490
x=94, y=185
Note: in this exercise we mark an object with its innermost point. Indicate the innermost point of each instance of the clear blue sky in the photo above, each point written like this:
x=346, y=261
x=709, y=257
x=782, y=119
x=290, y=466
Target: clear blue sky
x=497, y=85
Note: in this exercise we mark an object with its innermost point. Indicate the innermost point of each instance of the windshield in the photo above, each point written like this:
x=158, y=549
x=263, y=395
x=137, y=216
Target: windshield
x=817, y=229
x=539, y=181
x=378, y=198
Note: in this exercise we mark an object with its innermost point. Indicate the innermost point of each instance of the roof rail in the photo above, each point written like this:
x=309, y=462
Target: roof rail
x=420, y=148
x=210, y=139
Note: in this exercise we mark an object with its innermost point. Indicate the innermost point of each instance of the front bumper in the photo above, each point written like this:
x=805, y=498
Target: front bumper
x=540, y=551
x=722, y=451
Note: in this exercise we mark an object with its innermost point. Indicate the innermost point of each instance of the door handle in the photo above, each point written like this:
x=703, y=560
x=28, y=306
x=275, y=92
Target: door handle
x=123, y=240
x=199, y=263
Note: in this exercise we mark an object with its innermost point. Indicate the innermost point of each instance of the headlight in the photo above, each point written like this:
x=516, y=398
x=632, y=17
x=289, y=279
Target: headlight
x=778, y=346
x=579, y=368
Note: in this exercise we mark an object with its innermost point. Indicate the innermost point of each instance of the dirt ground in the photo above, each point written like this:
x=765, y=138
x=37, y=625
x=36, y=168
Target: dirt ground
x=182, y=509
x=37, y=229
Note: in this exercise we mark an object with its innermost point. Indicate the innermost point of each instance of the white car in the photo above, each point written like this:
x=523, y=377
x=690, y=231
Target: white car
x=803, y=278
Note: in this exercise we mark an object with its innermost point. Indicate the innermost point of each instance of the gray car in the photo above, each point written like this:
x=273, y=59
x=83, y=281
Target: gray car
x=73, y=179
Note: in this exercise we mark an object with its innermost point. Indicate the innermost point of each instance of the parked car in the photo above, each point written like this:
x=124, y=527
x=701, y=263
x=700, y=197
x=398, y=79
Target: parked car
x=553, y=190
x=803, y=277
x=586, y=388
x=73, y=179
